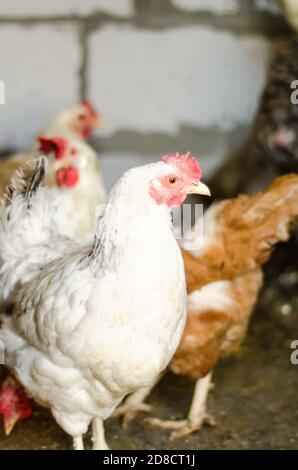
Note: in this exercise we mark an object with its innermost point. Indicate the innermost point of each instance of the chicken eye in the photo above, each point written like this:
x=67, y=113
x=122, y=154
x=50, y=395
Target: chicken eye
x=172, y=180
x=73, y=152
x=81, y=117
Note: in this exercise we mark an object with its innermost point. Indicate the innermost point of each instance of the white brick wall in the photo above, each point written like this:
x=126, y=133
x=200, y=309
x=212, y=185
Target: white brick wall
x=155, y=81
x=213, y=6
x=20, y=8
x=39, y=67
x=143, y=81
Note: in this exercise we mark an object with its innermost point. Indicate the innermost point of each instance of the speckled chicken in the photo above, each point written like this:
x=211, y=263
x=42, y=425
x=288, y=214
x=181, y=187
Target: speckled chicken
x=223, y=281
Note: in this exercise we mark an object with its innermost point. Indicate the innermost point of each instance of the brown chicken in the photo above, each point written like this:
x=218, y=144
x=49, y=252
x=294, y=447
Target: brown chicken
x=223, y=281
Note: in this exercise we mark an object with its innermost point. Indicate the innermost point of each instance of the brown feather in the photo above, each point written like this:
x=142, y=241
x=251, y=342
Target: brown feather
x=7, y=168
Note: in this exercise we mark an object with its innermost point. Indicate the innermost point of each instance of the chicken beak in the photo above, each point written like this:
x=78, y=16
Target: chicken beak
x=9, y=424
x=199, y=188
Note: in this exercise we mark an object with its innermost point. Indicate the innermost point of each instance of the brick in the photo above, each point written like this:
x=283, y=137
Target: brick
x=37, y=8
x=157, y=80
x=215, y=6
x=39, y=67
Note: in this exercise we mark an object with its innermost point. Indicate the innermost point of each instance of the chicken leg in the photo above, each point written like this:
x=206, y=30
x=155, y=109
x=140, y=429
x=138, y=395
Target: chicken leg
x=133, y=404
x=197, y=413
x=78, y=443
x=99, y=441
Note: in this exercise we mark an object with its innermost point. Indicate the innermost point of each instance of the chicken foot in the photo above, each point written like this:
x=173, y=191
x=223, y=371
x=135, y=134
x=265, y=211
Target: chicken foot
x=133, y=405
x=197, y=415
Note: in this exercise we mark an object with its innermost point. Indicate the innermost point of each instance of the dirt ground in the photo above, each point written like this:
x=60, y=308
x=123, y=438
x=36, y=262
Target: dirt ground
x=254, y=400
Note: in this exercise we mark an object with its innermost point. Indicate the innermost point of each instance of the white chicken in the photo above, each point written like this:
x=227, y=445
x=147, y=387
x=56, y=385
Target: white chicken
x=75, y=172
x=103, y=320
x=75, y=123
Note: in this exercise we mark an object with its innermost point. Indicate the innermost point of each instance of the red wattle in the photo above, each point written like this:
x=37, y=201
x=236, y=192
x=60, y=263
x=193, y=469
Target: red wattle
x=67, y=177
x=86, y=131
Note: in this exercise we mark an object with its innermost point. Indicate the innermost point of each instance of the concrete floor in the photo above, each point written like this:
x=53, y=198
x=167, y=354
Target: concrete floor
x=254, y=401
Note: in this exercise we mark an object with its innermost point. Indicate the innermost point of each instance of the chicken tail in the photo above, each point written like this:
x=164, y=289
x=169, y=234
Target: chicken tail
x=26, y=181
x=26, y=222
x=250, y=226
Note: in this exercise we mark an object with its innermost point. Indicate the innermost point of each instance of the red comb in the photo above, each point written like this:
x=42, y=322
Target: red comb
x=185, y=163
x=58, y=145
x=90, y=108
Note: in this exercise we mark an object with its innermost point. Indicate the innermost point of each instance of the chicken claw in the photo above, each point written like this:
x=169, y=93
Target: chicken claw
x=182, y=427
x=197, y=415
x=129, y=412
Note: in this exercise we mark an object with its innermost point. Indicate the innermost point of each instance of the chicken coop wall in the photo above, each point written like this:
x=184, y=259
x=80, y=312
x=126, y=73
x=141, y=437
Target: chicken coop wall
x=166, y=74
